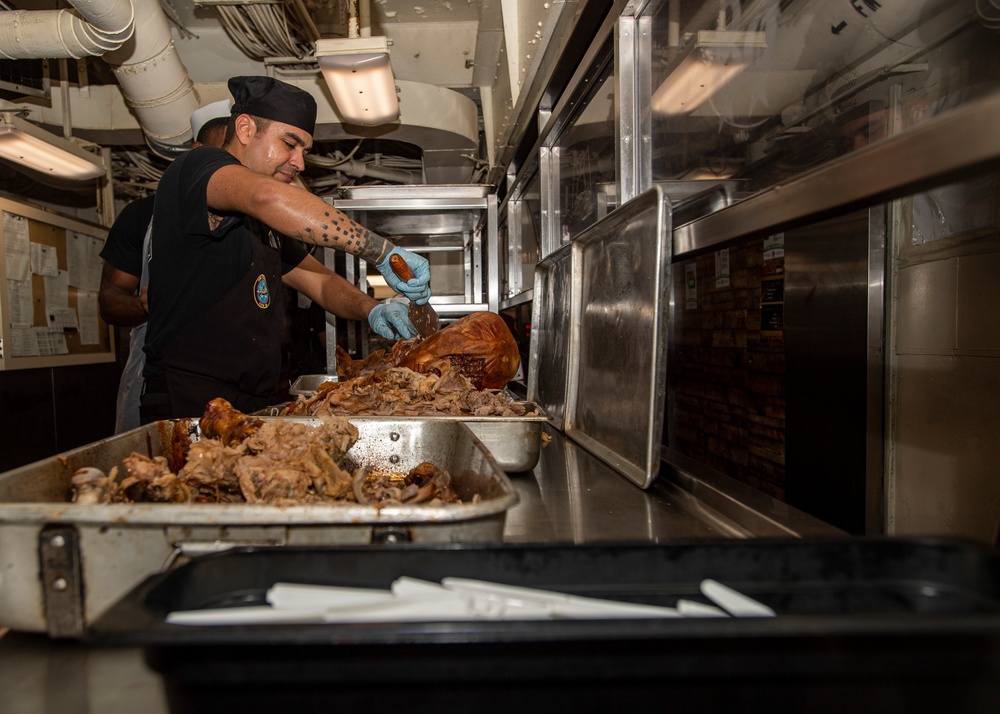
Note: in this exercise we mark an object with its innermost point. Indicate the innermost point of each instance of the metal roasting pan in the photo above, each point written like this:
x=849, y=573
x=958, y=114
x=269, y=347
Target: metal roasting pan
x=62, y=564
x=514, y=442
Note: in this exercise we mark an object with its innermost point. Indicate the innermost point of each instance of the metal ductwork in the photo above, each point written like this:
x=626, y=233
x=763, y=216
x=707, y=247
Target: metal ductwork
x=103, y=25
x=133, y=36
x=155, y=82
x=358, y=169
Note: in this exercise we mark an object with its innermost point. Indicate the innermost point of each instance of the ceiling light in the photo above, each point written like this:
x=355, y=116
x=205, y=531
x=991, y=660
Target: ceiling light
x=712, y=61
x=359, y=75
x=23, y=142
x=707, y=173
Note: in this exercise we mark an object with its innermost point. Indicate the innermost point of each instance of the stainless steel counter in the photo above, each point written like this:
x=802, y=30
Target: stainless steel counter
x=570, y=497
x=573, y=497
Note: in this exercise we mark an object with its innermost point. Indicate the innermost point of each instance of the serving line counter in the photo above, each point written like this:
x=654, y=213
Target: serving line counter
x=570, y=497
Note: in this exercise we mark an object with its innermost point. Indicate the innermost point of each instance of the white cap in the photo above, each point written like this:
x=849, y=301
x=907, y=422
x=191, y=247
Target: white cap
x=200, y=117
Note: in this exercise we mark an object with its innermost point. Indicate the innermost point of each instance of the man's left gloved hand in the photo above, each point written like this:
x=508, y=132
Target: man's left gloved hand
x=391, y=321
x=417, y=288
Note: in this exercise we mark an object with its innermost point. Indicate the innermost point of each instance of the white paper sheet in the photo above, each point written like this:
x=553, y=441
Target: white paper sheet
x=44, y=260
x=22, y=309
x=95, y=263
x=50, y=343
x=23, y=342
x=62, y=318
x=77, y=247
x=83, y=260
x=57, y=291
x=16, y=247
x=87, y=309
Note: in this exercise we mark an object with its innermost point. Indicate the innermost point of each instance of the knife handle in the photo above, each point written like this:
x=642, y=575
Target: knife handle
x=400, y=268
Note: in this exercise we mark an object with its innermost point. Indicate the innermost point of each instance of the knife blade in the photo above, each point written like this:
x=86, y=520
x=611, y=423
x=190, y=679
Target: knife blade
x=423, y=317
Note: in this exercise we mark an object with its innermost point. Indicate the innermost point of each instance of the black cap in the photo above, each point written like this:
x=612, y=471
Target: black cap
x=273, y=99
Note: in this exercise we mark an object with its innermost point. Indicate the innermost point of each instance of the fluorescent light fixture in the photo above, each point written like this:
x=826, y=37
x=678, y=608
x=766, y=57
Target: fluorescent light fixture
x=23, y=142
x=359, y=75
x=705, y=173
x=712, y=61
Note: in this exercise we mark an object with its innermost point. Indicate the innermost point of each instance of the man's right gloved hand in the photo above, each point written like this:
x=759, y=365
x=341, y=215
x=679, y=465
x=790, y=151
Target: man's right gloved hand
x=417, y=288
x=391, y=321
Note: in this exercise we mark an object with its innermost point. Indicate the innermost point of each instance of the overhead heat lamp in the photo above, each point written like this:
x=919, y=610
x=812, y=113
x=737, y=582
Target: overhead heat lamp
x=359, y=75
x=49, y=154
x=709, y=63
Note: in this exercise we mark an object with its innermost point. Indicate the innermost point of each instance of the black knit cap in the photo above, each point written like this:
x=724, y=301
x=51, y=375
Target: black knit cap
x=273, y=99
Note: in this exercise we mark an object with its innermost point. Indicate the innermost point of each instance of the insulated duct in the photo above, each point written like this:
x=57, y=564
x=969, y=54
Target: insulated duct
x=155, y=82
x=103, y=25
x=133, y=36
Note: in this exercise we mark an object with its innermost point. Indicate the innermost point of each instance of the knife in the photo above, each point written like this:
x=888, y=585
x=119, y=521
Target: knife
x=423, y=317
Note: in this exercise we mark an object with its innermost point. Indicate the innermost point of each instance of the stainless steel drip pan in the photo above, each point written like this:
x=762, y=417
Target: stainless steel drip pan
x=513, y=441
x=62, y=564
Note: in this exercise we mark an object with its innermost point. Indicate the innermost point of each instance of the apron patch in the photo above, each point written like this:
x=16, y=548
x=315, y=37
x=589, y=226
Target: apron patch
x=261, y=295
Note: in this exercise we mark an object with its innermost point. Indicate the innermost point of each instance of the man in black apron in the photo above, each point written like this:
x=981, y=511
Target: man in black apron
x=124, y=279
x=222, y=247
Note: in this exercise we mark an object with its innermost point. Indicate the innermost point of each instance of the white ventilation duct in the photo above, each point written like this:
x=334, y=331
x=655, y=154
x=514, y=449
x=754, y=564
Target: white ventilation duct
x=30, y=34
x=134, y=38
x=155, y=82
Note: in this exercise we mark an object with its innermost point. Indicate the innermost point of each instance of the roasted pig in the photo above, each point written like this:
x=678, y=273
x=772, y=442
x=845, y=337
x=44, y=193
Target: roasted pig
x=223, y=422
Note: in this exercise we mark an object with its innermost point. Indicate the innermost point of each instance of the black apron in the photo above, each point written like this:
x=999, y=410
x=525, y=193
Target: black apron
x=232, y=350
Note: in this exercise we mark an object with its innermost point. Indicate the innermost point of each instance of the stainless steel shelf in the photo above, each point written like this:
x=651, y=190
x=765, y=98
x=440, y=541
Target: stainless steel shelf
x=519, y=299
x=414, y=204
x=451, y=190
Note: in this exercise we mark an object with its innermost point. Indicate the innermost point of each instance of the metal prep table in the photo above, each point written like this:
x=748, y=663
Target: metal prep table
x=569, y=497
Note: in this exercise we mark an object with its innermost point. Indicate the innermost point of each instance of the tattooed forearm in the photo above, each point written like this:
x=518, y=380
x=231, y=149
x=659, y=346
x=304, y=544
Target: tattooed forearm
x=348, y=236
x=365, y=244
x=300, y=215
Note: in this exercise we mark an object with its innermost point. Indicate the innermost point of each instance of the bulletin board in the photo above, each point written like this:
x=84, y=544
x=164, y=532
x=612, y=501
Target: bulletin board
x=51, y=268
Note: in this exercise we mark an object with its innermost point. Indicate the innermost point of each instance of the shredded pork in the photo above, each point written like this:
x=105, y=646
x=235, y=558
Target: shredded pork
x=399, y=391
x=279, y=462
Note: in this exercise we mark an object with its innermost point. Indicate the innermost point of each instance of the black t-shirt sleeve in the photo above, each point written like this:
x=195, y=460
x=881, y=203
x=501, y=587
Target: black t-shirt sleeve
x=191, y=184
x=123, y=248
x=293, y=252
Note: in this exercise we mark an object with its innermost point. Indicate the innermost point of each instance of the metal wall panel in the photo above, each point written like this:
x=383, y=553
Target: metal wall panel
x=827, y=365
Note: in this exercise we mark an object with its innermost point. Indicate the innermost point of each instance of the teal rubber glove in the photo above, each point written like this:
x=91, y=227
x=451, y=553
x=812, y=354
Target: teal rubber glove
x=418, y=288
x=391, y=321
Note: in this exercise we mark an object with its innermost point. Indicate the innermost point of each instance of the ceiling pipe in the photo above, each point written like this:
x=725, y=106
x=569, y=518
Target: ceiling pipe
x=102, y=25
x=155, y=82
x=364, y=18
x=133, y=36
x=359, y=169
x=359, y=19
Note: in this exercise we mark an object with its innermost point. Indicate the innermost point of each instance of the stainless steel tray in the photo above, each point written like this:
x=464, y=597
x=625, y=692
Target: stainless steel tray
x=549, y=352
x=309, y=383
x=618, y=336
x=62, y=564
x=513, y=442
x=449, y=190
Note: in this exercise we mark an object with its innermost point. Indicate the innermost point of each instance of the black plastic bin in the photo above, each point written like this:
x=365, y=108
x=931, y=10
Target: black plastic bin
x=886, y=625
